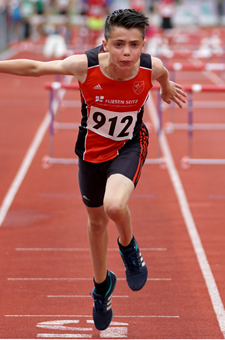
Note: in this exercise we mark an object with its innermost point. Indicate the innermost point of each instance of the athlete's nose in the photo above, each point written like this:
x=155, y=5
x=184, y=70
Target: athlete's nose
x=126, y=50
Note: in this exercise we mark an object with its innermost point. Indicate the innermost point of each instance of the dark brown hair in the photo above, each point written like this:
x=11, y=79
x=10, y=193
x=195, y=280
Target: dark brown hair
x=127, y=18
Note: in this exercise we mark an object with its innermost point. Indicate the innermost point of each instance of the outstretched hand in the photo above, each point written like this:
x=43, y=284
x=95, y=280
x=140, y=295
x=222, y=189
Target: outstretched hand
x=175, y=93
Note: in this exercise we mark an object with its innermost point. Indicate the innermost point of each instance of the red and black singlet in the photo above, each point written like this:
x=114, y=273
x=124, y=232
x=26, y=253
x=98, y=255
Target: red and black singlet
x=112, y=110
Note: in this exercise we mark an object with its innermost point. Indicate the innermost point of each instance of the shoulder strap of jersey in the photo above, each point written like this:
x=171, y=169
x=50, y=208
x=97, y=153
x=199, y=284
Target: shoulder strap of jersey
x=146, y=60
x=92, y=55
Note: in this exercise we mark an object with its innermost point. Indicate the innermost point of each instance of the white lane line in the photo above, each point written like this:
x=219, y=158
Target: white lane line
x=82, y=296
x=65, y=195
x=81, y=249
x=26, y=162
x=11, y=52
x=113, y=323
x=189, y=221
x=90, y=316
x=71, y=279
x=213, y=77
x=64, y=336
x=23, y=168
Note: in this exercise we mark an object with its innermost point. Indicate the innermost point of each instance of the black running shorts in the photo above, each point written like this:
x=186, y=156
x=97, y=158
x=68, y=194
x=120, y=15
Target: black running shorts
x=129, y=162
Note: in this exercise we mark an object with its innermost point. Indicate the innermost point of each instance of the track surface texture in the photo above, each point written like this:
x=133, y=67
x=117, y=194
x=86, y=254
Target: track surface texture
x=177, y=214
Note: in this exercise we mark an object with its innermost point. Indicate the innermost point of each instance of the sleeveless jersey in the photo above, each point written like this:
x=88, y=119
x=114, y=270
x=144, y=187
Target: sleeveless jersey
x=112, y=110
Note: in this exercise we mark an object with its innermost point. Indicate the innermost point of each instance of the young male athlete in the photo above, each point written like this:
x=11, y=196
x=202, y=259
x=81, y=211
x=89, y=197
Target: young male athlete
x=114, y=81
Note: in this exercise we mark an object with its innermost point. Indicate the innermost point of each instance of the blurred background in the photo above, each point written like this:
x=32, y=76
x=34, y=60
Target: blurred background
x=79, y=23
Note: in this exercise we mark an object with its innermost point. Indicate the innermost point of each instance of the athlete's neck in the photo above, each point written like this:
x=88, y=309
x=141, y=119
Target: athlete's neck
x=113, y=72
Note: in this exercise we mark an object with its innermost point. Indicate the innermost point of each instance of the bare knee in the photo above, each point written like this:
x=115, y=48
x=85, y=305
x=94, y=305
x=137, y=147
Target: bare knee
x=98, y=225
x=97, y=220
x=115, y=209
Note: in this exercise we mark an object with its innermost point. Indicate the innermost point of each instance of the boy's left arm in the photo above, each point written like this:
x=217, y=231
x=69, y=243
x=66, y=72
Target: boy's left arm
x=169, y=90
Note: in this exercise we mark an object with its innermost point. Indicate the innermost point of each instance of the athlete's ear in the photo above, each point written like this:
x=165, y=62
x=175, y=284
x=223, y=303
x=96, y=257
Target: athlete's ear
x=104, y=42
x=144, y=43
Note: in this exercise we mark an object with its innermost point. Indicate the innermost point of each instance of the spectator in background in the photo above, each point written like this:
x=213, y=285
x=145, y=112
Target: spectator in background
x=40, y=7
x=220, y=10
x=97, y=9
x=139, y=5
x=3, y=24
x=96, y=14
x=27, y=10
x=39, y=19
x=15, y=20
x=63, y=6
x=166, y=11
x=2, y=5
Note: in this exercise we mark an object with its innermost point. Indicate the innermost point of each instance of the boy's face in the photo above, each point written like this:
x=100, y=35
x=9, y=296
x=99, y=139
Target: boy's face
x=124, y=46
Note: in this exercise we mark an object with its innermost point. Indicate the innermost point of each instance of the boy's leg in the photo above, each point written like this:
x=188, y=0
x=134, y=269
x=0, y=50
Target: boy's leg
x=105, y=281
x=98, y=241
x=118, y=191
x=117, y=194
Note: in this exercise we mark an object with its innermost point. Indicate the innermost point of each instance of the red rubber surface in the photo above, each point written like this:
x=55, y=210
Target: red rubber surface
x=46, y=273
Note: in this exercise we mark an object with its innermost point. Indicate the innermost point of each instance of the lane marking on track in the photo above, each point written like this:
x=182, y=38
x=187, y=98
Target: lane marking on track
x=201, y=105
x=23, y=168
x=82, y=296
x=66, y=336
x=113, y=323
x=30, y=154
x=90, y=316
x=71, y=279
x=81, y=249
x=64, y=195
x=210, y=74
x=189, y=221
x=213, y=77
x=217, y=197
x=11, y=52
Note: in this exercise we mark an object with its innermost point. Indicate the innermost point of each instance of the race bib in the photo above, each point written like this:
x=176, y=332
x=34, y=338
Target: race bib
x=114, y=125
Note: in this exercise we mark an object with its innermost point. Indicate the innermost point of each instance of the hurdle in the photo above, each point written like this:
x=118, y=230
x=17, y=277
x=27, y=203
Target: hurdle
x=190, y=89
x=190, y=54
x=178, y=66
x=54, y=105
x=49, y=159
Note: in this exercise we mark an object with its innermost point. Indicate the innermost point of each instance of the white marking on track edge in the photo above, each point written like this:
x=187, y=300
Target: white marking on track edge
x=23, y=169
x=65, y=336
x=71, y=279
x=11, y=52
x=113, y=323
x=90, y=316
x=114, y=332
x=82, y=296
x=25, y=165
x=189, y=221
x=80, y=249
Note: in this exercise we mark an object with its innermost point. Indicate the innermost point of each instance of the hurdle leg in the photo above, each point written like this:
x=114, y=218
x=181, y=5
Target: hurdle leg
x=58, y=96
x=159, y=129
x=51, y=126
x=190, y=124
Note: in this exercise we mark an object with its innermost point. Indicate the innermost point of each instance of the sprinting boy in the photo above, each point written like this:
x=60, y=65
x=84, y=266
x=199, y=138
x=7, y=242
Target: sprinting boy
x=114, y=80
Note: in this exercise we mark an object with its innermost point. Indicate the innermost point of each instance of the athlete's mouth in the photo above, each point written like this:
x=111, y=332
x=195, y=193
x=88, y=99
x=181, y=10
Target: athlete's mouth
x=126, y=62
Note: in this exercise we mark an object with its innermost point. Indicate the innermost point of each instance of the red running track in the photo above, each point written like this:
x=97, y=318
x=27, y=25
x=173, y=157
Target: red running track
x=178, y=220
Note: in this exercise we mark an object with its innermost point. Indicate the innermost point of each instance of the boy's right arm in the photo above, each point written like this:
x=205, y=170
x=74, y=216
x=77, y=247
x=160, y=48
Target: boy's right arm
x=168, y=89
x=74, y=65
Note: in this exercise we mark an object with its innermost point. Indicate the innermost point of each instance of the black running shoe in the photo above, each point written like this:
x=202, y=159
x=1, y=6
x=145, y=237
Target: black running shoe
x=102, y=309
x=135, y=267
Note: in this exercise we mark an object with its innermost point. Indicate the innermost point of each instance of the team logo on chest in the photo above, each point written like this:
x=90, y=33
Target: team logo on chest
x=138, y=87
